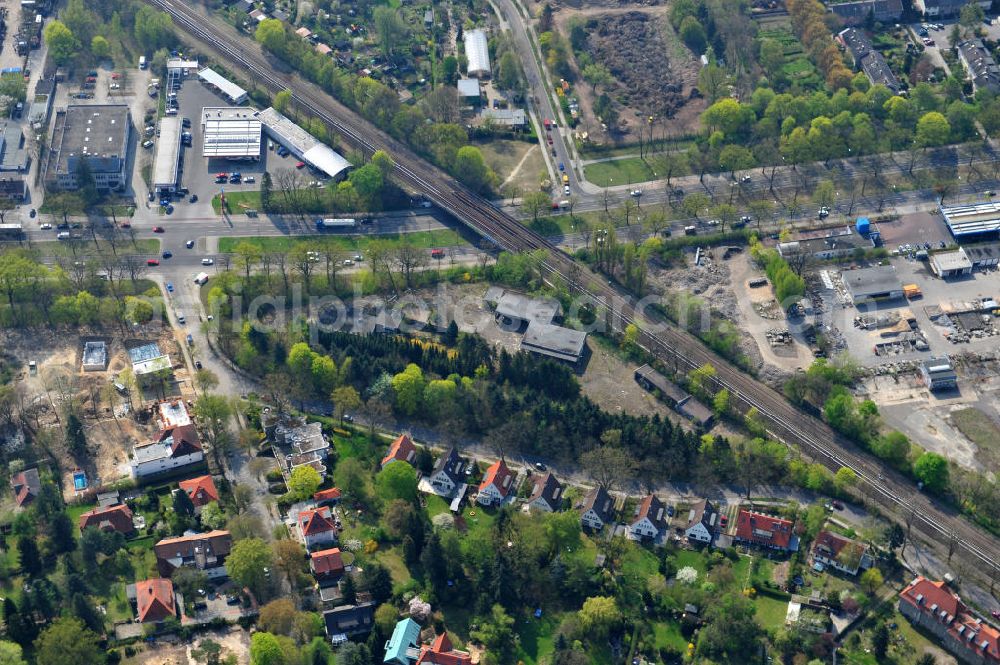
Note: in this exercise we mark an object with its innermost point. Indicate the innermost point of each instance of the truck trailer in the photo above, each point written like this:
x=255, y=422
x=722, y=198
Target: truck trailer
x=332, y=223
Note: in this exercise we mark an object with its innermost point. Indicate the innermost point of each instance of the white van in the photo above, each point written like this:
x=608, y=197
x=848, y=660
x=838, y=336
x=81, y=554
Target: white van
x=180, y=316
x=201, y=278
x=62, y=235
x=142, y=62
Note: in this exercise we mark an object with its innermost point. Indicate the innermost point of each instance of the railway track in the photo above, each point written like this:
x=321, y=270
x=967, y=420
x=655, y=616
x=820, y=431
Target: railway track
x=886, y=487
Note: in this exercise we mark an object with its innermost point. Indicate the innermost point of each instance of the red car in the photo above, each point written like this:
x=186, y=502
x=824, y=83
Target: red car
x=221, y=175
x=437, y=253
x=115, y=76
x=157, y=229
x=723, y=521
x=152, y=262
x=300, y=165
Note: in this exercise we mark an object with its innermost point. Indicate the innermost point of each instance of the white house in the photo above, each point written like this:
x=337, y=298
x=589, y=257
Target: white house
x=597, y=509
x=701, y=522
x=547, y=495
x=206, y=552
x=447, y=473
x=497, y=486
x=650, y=519
x=317, y=527
x=171, y=449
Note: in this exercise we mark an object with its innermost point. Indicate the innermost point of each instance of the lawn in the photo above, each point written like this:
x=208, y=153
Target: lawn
x=353, y=243
x=393, y=560
x=238, y=202
x=355, y=446
x=82, y=249
x=517, y=163
x=536, y=635
x=668, y=634
x=624, y=171
x=979, y=428
x=692, y=558
x=770, y=612
x=435, y=505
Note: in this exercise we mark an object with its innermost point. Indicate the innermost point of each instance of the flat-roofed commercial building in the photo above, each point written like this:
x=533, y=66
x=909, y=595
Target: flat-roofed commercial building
x=951, y=264
x=972, y=219
x=871, y=284
x=234, y=93
x=230, y=133
x=168, y=155
x=554, y=341
x=302, y=144
x=96, y=133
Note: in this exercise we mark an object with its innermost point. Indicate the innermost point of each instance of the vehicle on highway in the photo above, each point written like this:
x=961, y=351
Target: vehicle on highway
x=548, y=124
x=207, y=262
x=437, y=253
x=566, y=190
x=45, y=227
x=249, y=179
x=193, y=199
x=62, y=235
x=300, y=165
x=157, y=229
x=32, y=213
x=562, y=167
x=168, y=254
x=358, y=257
x=565, y=178
x=170, y=287
x=189, y=244
x=152, y=262
x=635, y=192
x=335, y=223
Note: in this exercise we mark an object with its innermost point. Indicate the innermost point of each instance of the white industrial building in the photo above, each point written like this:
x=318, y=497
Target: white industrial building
x=477, y=54
x=230, y=133
x=181, y=66
x=168, y=154
x=302, y=144
x=234, y=93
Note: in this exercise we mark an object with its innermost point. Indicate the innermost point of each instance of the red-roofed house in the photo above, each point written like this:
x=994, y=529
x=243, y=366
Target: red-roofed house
x=765, y=531
x=26, y=486
x=934, y=607
x=327, y=566
x=401, y=450
x=497, y=486
x=201, y=490
x=113, y=518
x=837, y=551
x=152, y=600
x=330, y=497
x=206, y=552
x=317, y=527
x=441, y=652
x=650, y=519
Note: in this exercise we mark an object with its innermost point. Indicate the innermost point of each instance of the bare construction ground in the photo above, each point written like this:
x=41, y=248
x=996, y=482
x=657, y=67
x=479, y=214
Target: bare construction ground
x=233, y=641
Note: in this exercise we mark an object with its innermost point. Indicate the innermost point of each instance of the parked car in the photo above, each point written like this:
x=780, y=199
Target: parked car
x=249, y=179
x=152, y=262
x=189, y=244
x=300, y=165
x=197, y=364
x=32, y=213
x=167, y=254
x=45, y=227
x=193, y=199
x=157, y=229
x=207, y=262
x=170, y=287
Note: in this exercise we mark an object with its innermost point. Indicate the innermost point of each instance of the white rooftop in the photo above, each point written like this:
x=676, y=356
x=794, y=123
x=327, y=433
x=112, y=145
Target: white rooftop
x=230, y=132
x=235, y=93
x=173, y=414
x=168, y=152
x=303, y=144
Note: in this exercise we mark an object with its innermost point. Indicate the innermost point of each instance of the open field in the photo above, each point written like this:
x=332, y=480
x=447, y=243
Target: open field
x=518, y=164
x=979, y=428
x=86, y=247
x=619, y=172
x=418, y=239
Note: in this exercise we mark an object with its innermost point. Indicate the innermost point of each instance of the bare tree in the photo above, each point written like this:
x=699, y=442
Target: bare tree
x=409, y=259
x=280, y=260
x=303, y=260
x=133, y=266
x=442, y=104
x=333, y=258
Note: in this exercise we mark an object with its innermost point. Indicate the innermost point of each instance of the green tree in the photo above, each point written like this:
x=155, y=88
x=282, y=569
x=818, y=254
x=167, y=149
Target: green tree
x=213, y=413
x=183, y=505
x=247, y=564
x=303, y=482
x=693, y=34
x=735, y=158
x=63, y=44
x=30, y=558
x=509, y=71
x=534, y=203
x=471, y=169
x=345, y=399
x=271, y=35
x=265, y=649
x=99, y=47
x=880, y=641
x=772, y=55
x=11, y=654
x=397, y=481
x=408, y=387
x=496, y=632
x=598, y=617
x=67, y=642
x=932, y=470
x=871, y=580
x=368, y=183
x=390, y=28
x=282, y=100
x=893, y=447
x=377, y=581
x=212, y=516
x=933, y=129
x=383, y=162
x=597, y=75
x=720, y=404
x=732, y=630
x=970, y=17
x=76, y=438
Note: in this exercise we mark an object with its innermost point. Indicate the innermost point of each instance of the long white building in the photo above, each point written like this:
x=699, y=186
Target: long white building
x=477, y=54
x=230, y=133
x=302, y=144
x=168, y=154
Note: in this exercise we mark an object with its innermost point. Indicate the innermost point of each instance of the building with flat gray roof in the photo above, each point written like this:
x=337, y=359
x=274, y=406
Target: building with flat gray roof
x=554, y=341
x=982, y=256
x=518, y=310
x=938, y=374
x=972, y=219
x=950, y=264
x=96, y=133
x=15, y=157
x=213, y=79
x=230, y=133
x=871, y=284
x=168, y=155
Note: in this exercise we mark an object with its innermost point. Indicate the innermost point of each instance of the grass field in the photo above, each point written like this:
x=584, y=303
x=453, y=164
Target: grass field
x=234, y=199
x=62, y=248
x=668, y=634
x=982, y=431
x=770, y=612
x=619, y=172
x=418, y=239
x=518, y=163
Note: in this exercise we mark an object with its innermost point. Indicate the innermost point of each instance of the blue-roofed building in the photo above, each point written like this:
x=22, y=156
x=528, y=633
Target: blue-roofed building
x=405, y=637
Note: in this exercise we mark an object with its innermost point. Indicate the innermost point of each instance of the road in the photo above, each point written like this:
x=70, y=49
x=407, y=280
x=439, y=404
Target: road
x=894, y=492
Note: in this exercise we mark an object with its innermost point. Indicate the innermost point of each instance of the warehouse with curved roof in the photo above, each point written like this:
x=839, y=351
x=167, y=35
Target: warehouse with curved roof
x=477, y=54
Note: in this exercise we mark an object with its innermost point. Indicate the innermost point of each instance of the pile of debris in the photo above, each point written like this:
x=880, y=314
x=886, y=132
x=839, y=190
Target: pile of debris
x=778, y=336
x=768, y=310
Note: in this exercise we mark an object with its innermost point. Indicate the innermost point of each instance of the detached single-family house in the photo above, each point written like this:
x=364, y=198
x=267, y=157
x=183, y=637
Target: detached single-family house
x=701, y=523
x=547, y=495
x=171, y=449
x=650, y=519
x=839, y=552
x=401, y=450
x=497, y=486
x=202, y=551
x=152, y=600
x=447, y=473
x=763, y=530
x=327, y=497
x=598, y=509
x=327, y=566
x=26, y=485
x=441, y=652
x=349, y=620
x=317, y=527
x=200, y=490
x=112, y=518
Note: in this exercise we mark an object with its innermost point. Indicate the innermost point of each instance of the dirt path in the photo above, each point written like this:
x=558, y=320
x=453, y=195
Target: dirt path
x=517, y=167
x=757, y=325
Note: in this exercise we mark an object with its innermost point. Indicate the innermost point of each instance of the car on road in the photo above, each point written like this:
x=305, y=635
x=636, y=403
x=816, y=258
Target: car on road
x=348, y=262
x=63, y=226
x=823, y=212
x=222, y=174
x=168, y=254
x=45, y=227
x=170, y=287
x=207, y=262
x=186, y=122
x=300, y=165
x=562, y=167
x=635, y=192
x=157, y=229
x=197, y=364
x=549, y=139
x=126, y=225
x=193, y=198
x=358, y=257
x=32, y=213
x=249, y=179
x=566, y=190
x=839, y=505
x=437, y=253
x=147, y=144
x=189, y=244
x=152, y=262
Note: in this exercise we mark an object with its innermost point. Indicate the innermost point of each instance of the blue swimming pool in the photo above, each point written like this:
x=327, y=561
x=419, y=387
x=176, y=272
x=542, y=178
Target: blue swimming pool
x=79, y=480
